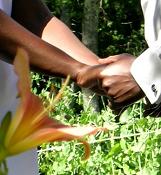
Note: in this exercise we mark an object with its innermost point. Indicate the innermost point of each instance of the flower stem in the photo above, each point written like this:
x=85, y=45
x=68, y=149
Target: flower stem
x=3, y=168
x=3, y=154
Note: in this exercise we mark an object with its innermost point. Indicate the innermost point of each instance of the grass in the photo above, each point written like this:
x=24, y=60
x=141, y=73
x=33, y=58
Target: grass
x=130, y=147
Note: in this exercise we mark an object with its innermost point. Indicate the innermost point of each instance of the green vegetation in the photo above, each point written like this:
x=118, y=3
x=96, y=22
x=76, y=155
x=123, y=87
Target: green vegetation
x=131, y=146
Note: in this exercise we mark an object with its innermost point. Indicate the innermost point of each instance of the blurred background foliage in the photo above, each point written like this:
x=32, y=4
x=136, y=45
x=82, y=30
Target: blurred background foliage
x=120, y=24
x=132, y=146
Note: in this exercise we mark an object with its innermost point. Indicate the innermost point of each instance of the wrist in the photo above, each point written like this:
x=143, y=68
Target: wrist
x=77, y=72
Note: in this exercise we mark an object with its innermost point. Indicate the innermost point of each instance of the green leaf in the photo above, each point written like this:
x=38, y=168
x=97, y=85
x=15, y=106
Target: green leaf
x=116, y=149
x=4, y=126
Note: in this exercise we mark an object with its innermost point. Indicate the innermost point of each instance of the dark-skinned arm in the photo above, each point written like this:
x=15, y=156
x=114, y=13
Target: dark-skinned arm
x=19, y=31
x=43, y=56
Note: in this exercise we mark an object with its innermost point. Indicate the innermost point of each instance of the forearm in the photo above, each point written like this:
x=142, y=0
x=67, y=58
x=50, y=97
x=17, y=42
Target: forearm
x=43, y=56
x=59, y=35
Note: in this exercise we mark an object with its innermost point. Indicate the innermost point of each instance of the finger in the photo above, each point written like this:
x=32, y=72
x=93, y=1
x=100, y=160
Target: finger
x=109, y=81
x=128, y=98
x=124, y=92
x=88, y=76
x=119, y=89
x=127, y=87
x=119, y=107
x=115, y=89
x=109, y=59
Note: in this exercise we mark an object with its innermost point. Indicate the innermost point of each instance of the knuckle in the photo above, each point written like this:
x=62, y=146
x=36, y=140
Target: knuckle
x=111, y=93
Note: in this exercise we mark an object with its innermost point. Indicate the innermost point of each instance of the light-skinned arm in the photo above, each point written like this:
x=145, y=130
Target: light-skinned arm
x=38, y=19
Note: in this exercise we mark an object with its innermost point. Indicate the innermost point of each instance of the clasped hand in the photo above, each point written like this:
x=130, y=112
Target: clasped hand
x=113, y=79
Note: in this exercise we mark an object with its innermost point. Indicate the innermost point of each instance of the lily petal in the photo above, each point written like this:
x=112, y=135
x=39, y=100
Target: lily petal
x=31, y=125
x=22, y=69
x=51, y=134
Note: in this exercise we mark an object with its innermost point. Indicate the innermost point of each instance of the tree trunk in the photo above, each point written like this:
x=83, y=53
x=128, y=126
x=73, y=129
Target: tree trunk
x=89, y=38
x=66, y=18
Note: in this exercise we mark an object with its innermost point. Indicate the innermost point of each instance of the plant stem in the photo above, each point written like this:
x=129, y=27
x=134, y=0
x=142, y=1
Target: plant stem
x=3, y=154
x=3, y=168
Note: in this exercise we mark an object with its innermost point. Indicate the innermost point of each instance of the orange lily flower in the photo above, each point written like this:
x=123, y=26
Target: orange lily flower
x=31, y=126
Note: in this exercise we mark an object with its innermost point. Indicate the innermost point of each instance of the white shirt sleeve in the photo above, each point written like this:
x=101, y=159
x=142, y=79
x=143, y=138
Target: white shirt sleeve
x=146, y=70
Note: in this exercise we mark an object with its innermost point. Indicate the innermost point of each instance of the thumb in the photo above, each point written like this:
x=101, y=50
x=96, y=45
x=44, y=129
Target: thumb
x=89, y=76
x=108, y=60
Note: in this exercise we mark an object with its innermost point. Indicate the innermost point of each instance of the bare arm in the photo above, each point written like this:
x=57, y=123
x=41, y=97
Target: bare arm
x=59, y=35
x=25, y=29
x=36, y=17
x=43, y=56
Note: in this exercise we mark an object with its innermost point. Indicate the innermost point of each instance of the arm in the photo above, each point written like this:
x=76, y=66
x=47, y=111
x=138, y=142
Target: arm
x=43, y=56
x=59, y=35
x=18, y=31
x=35, y=16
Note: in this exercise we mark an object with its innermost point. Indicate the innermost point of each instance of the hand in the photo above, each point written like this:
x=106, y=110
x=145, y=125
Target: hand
x=90, y=77
x=117, y=64
x=119, y=83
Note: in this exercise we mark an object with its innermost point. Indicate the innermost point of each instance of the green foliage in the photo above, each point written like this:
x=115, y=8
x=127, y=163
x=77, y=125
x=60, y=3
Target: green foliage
x=131, y=146
x=4, y=127
x=120, y=24
x=121, y=28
